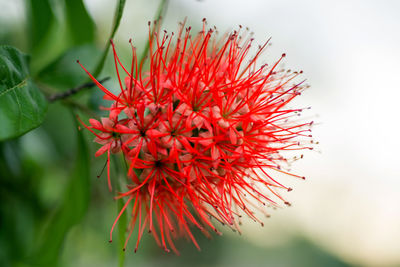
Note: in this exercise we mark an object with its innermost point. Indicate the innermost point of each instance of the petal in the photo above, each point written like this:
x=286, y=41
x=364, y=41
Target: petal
x=186, y=144
x=206, y=139
x=175, y=119
x=183, y=108
x=214, y=153
x=114, y=114
x=153, y=133
x=186, y=157
x=102, y=150
x=162, y=127
x=232, y=136
x=223, y=123
x=127, y=81
x=198, y=121
x=96, y=124
x=107, y=124
x=216, y=112
x=107, y=97
x=166, y=141
x=151, y=145
x=122, y=128
x=148, y=157
x=162, y=151
x=130, y=112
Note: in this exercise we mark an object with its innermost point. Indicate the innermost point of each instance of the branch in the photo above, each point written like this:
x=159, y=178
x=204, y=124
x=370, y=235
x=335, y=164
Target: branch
x=72, y=91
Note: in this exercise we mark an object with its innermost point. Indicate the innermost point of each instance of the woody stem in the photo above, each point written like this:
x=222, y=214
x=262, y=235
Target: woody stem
x=72, y=91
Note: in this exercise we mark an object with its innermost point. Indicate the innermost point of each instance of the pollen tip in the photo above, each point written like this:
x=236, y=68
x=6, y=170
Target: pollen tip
x=110, y=241
x=289, y=189
x=77, y=61
x=124, y=249
x=284, y=55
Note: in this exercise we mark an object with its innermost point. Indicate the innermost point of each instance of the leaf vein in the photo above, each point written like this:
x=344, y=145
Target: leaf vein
x=22, y=83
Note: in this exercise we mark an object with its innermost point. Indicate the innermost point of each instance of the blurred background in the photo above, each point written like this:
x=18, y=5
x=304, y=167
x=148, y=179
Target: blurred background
x=347, y=211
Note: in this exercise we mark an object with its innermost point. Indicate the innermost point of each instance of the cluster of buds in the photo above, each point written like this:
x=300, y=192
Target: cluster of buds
x=201, y=132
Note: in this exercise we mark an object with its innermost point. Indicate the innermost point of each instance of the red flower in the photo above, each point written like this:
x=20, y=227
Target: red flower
x=203, y=130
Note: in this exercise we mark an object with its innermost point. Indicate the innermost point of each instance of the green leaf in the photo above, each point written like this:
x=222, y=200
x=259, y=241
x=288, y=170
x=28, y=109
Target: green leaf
x=117, y=19
x=64, y=73
x=22, y=105
x=72, y=210
x=80, y=25
x=41, y=17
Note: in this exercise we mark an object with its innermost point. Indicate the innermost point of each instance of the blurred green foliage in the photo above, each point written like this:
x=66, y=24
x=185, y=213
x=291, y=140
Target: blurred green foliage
x=72, y=209
x=44, y=195
x=52, y=213
x=41, y=17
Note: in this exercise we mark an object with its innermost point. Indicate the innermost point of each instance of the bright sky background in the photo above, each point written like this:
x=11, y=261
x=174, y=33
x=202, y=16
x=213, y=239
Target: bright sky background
x=349, y=52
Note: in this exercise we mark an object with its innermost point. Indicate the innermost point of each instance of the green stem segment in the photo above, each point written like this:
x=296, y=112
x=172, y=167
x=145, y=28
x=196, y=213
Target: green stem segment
x=123, y=220
x=117, y=19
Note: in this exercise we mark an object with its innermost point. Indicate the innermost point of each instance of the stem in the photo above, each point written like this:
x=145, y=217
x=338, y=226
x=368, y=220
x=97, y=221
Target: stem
x=65, y=101
x=123, y=220
x=117, y=19
x=72, y=91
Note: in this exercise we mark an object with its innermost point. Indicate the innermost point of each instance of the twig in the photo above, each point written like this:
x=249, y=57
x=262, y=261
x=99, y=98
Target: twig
x=72, y=91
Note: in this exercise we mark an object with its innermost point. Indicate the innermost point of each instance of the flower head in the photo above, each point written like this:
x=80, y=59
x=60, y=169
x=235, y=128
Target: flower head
x=203, y=131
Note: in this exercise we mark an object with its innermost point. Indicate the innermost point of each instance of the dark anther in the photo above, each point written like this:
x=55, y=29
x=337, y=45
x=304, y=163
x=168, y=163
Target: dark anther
x=157, y=163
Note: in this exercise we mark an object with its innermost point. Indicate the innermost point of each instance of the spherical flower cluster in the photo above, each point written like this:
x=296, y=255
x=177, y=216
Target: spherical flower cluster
x=201, y=130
